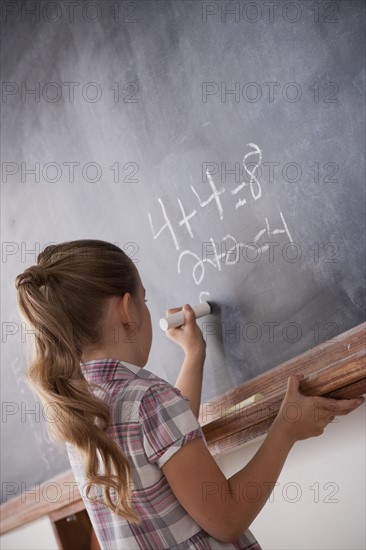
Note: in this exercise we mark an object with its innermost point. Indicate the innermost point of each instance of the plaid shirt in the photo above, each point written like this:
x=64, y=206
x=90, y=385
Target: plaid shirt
x=150, y=421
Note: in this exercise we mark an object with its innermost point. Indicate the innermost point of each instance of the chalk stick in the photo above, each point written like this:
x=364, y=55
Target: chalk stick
x=177, y=319
x=239, y=406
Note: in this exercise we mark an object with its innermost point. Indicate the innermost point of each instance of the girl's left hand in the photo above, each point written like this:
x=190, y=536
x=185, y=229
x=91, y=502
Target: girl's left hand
x=188, y=336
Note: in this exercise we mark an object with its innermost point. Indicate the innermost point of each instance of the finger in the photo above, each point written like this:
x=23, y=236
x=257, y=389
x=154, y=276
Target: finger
x=173, y=310
x=189, y=314
x=340, y=406
x=293, y=383
x=348, y=405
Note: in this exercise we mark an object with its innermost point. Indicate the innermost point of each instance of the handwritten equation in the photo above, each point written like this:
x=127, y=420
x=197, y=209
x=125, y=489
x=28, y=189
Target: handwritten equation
x=213, y=253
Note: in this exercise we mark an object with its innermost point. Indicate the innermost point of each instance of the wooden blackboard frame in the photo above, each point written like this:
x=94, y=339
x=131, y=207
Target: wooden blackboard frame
x=335, y=368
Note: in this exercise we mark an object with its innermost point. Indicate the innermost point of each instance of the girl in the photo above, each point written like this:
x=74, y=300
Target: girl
x=130, y=435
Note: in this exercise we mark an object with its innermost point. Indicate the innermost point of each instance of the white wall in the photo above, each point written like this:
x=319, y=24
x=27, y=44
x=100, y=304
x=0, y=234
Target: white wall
x=291, y=519
x=36, y=535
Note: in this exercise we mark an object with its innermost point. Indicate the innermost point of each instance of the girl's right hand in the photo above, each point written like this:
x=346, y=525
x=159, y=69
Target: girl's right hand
x=189, y=335
x=301, y=416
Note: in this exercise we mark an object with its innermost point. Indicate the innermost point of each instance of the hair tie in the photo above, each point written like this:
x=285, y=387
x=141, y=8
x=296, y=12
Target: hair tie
x=35, y=274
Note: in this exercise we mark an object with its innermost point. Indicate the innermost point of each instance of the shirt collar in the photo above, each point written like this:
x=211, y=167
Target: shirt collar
x=106, y=369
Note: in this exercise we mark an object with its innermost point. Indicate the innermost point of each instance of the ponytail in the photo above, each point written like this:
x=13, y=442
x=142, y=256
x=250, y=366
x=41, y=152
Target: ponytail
x=60, y=297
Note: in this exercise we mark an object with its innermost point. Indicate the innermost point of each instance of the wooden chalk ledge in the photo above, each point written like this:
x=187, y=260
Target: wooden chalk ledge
x=335, y=368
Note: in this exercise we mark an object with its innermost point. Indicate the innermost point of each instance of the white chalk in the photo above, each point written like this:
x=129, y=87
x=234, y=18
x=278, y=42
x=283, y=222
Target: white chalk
x=239, y=406
x=177, y=319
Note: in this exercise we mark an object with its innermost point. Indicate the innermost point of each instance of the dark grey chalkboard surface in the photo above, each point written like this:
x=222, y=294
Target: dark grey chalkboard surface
x=223, y=151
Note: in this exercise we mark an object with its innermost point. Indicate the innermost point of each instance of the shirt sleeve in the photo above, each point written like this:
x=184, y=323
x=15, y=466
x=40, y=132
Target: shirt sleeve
x=167, y=422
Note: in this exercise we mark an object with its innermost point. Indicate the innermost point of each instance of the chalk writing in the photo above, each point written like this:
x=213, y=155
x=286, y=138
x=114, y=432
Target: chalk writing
x=168, y=225
x=231, y=249
x=215, y=195
x=217, y=254
x=253, y=180
x=185, y=219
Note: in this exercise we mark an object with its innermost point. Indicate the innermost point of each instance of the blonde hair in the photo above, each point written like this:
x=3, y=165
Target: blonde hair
x=62, y=297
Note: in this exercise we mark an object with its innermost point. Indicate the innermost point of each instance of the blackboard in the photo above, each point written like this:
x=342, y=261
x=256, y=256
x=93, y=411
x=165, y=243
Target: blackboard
x=177, y=129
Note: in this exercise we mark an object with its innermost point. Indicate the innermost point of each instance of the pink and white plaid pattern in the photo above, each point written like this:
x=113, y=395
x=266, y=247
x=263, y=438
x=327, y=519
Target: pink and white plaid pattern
x=150, y=421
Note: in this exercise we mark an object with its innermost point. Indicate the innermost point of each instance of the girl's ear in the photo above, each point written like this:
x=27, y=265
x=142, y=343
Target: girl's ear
x=125, y=306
